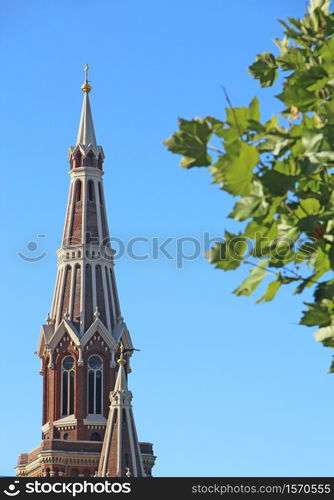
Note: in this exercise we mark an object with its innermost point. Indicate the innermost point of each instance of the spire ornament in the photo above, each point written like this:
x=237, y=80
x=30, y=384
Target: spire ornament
x=121, y=361
x=86, y=87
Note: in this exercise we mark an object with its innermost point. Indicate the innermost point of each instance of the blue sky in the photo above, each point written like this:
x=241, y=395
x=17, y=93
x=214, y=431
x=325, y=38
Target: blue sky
x=222, y=387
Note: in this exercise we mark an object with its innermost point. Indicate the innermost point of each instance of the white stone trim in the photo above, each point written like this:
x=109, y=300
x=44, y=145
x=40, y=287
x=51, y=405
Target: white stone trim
x=68, y=420
x=94, y=286
x=71, y=297
x=106, y=297
x=64, y=327
x=98, y=327
x=60, y=297
x=45, y=429
x=133, y=453
x=98, y=420
x=55, y=295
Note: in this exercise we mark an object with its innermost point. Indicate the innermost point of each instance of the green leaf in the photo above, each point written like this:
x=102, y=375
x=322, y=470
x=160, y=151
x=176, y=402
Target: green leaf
x=324, y=290
x=315, y=317
x=249, y=206
x=254, y=110
x=236, y=169
x=191, y=141
x=271, y=291
x=308, y=206
x=311, y=141
x=228, y=255
x=291, y=58
x=322, y=263
x=329, y=110
x=243, y=118
x=317, y=314
x=300, y=97
x=257, y=274
x=264, y=69
x=331, y=368
x=277, y=183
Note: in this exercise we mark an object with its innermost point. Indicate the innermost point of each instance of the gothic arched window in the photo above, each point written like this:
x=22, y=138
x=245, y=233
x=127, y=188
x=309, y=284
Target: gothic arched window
x=78, y=190
x=90, y=159
x=100, y=194
x=90, y=191
x=99, y=162
x=67, y=385
x=95, y=366
x=78, y=160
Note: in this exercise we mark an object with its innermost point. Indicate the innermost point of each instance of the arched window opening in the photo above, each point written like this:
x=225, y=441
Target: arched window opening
x=95, y=366
x=90, y=191
x=115, y=417
x=100, y=194
x=78, y=160
x=123, y=417
x=67, y=386
x=90, y=159
x=78, y=191
x=66, y=436
x=99, y=162
x=95, y=437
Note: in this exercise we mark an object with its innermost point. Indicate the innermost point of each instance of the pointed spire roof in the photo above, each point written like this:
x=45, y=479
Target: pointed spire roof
x=86, y=139
x=86, y=132
x=120, y=455
x=121, y=383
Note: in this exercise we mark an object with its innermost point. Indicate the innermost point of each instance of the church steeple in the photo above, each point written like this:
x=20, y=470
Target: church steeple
x=84, y=331
x=120, y=455
x=86, y=280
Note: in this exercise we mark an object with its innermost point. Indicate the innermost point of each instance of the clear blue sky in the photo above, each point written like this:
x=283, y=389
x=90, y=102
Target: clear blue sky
x=222, y=387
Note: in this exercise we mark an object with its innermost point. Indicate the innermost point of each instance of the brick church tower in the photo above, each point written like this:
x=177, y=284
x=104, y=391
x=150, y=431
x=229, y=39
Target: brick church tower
x=85, y=347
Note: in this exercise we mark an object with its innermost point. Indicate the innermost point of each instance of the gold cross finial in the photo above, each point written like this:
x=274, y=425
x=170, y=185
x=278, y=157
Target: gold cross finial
x=86, y=87
x=121, y=360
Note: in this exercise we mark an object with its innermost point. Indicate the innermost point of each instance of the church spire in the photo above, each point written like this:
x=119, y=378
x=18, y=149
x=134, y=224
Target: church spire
x=86, y=133
x=120, y=455
x=81, y=337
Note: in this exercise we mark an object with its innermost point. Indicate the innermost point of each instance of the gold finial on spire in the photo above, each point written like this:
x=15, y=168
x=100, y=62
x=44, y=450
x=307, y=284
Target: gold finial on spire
x=86, y=87
x=121, y=361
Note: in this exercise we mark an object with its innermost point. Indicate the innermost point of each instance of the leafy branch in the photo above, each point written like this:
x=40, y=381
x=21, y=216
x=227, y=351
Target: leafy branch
x=280, y=170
